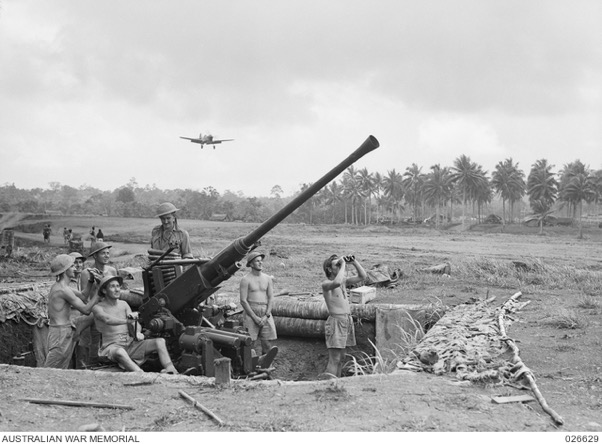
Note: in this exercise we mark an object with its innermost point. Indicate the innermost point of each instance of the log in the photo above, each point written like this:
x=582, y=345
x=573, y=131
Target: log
x=305, y=328
x=202, y=408
x=522, y=371
x=78, y=403
x=290, y=307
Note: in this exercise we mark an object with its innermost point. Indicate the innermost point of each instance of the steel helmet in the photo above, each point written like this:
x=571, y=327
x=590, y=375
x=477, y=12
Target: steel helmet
x=77, y=255
x=60, y=264
x=98, y=246
x=254, y=256
x=166, y=208
x=105, y=281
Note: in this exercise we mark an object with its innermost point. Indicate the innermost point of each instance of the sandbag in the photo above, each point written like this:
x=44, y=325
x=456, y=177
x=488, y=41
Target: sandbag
x=380, y=276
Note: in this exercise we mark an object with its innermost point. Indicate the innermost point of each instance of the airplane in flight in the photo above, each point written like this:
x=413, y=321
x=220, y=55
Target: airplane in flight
x=206, y=139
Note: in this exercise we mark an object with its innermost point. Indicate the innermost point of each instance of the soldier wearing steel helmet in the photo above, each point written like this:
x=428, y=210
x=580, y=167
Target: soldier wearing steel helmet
x=168, y=234
x=100, y=252
x=62, y=329
x=129, y=349
x=256, y=299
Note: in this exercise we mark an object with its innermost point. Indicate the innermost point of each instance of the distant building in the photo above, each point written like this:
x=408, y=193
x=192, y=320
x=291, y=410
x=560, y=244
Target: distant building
x=219, y=217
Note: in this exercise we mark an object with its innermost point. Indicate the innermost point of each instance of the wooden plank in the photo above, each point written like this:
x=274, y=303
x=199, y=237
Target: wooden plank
x=78, y=403
x=222, y=371
x=507, y=399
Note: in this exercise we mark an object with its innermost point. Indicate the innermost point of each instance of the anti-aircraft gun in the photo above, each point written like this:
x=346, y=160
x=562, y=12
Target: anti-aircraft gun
x=176, y=290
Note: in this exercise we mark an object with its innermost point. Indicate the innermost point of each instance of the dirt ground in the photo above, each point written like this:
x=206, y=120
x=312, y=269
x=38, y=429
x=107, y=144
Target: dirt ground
x=565, y=361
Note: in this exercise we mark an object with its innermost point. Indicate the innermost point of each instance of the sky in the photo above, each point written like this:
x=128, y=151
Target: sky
x=97, y=93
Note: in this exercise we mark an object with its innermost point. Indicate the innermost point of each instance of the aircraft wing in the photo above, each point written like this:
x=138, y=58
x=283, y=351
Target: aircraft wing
x=213, y=142
x=192, y=139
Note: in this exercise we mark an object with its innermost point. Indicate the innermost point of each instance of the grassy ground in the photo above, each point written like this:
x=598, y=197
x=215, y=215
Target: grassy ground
x=558, y=333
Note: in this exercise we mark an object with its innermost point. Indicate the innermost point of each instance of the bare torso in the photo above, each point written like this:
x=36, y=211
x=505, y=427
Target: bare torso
x=257, y=288
x=337, y=301
x=59, y=309
x=118, y=311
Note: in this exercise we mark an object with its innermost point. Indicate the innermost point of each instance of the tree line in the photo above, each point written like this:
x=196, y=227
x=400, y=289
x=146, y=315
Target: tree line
x=359, y=197
x=415, y=194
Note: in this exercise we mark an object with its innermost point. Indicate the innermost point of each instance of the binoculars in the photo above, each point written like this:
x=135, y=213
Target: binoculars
x=349, y=258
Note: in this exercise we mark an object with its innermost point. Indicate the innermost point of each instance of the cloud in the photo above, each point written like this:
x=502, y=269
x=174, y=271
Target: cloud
x=295, y=82
x=445, y=137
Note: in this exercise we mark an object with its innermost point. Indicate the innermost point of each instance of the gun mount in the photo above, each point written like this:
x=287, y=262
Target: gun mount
x=176, y=290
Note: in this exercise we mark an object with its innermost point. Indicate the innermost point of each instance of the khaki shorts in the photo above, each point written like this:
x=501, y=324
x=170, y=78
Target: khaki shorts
x=136, y=350
x=267, y=332
x=61, y=342
x=339, y=331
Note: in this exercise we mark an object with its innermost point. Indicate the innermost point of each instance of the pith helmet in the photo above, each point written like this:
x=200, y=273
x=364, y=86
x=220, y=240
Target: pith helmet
x=105, y=281
x=166, y=208
x=98, y=246
x=251, y=257
x=60, y=264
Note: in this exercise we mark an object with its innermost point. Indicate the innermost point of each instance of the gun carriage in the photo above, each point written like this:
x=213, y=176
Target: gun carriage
x=176, y=291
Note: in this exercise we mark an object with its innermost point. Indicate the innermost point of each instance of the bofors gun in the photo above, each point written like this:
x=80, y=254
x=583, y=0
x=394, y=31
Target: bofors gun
x=176, y=293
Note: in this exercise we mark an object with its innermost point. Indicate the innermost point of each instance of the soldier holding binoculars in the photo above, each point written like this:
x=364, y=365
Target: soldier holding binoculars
x=340, y=332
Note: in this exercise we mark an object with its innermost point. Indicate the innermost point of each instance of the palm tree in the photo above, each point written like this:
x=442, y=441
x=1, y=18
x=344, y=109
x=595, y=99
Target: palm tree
x=568, y=172
x=581, y=188
x=332, y=196
x=508, y=181
x=413, y=181
x=352, y=191
x=484, y=195
x=468, y=177
x=437, y=188
x=393, y=189
x=377, y=182
x=542, y=189
x=366, y=184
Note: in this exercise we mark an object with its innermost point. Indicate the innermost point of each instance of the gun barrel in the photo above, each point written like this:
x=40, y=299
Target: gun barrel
x=369, y=144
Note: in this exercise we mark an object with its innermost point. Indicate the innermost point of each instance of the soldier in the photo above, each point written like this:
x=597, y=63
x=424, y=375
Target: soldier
x=79, y=267
x=340, y=332
x=168, y=234
x=128, y=349
x=82, y=345
x=62, y=330
x=46, y=232
x=101, y=254
x=256, y=298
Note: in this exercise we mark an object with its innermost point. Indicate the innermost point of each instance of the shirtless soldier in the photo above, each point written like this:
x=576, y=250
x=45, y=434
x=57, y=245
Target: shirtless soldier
x=62, y=331
x=112, y=317
x=256, y=297
x=340, y=332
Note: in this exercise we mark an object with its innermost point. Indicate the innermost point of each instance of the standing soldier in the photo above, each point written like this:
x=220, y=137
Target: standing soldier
x=256, y=298
x=62, y=331
x=168, y=234
x=46, y=232
x=339, y=328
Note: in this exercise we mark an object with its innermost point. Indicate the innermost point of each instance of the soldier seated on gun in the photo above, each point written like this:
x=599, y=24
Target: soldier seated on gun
x=127, y=348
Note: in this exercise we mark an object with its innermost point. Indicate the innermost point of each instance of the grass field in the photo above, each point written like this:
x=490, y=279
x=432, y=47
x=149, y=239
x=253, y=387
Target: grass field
x=559, y=333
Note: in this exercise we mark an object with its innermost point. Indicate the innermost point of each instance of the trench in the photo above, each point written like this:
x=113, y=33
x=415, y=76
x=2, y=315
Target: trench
x=302, y=353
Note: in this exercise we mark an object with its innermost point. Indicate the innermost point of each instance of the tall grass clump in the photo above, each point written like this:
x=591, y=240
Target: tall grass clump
x=530, y=273
x=589, y=303
x=566, y=319
x=493, y=272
